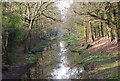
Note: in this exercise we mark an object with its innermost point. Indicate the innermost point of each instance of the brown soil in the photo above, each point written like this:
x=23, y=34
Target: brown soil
x=105, y=45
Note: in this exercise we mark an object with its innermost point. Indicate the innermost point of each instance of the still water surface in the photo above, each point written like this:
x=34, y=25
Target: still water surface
x=58, y=63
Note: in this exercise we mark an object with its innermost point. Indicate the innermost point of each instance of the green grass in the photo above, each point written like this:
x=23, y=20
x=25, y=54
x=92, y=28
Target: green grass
x=69, y=38
x=78, y=58
x=42, y=45
x=110, y=73
x=23, y=58
x=104, y=61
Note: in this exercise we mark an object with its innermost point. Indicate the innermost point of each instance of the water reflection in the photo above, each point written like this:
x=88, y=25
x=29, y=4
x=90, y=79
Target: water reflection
x=62, y=47
x=64, y=71
x=61, y=72
x=57, y=63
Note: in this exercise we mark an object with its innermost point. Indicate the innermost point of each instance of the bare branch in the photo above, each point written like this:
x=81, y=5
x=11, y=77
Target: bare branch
x=95, y=16
x=51, y=18
x=38, y=14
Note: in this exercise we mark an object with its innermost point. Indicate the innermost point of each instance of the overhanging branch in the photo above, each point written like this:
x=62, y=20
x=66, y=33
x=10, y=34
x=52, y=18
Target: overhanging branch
x=95, y=16
x=51, y=18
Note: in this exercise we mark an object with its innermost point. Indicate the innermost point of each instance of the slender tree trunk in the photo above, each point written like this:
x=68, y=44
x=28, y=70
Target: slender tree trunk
x=30, y=34
x=99, y=33
x=91, y=29
x=30, y=39
x=86, y=33
x=5, y=50
x=110, y=33
x=114, y=18
x=109, y=17
x=118, y=23
x=95, y=33
x=101, y=29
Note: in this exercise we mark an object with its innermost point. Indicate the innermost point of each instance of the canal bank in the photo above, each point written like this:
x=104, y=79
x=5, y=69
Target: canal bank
x=22, y=62
x=100, y=58
x=57, y=63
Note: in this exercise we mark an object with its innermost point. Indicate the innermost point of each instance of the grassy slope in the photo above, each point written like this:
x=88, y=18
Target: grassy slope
x=101, y=60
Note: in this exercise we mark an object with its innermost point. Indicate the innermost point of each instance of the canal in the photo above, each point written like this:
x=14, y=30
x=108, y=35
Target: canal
x=58, y=62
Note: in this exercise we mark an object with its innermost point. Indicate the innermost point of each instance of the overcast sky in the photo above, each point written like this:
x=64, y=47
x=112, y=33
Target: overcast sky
x=63, y=7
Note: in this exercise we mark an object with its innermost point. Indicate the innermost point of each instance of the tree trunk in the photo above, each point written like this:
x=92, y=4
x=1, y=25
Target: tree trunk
x=101, y=29
x=109, y=17
x=30, y=39
x=86, y=33
x=110, y=33
x=30, y=36
x=95, y=32
x=91, y=29
x=99, y=33
x=5, y=50
x=118, y=23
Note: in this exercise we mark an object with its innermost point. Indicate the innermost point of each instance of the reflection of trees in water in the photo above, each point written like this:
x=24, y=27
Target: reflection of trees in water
x=29, y=74
x=42, y=69
x=36, y=72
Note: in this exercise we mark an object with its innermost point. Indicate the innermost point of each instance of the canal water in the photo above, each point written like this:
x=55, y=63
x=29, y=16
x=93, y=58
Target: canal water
x=58, y=63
